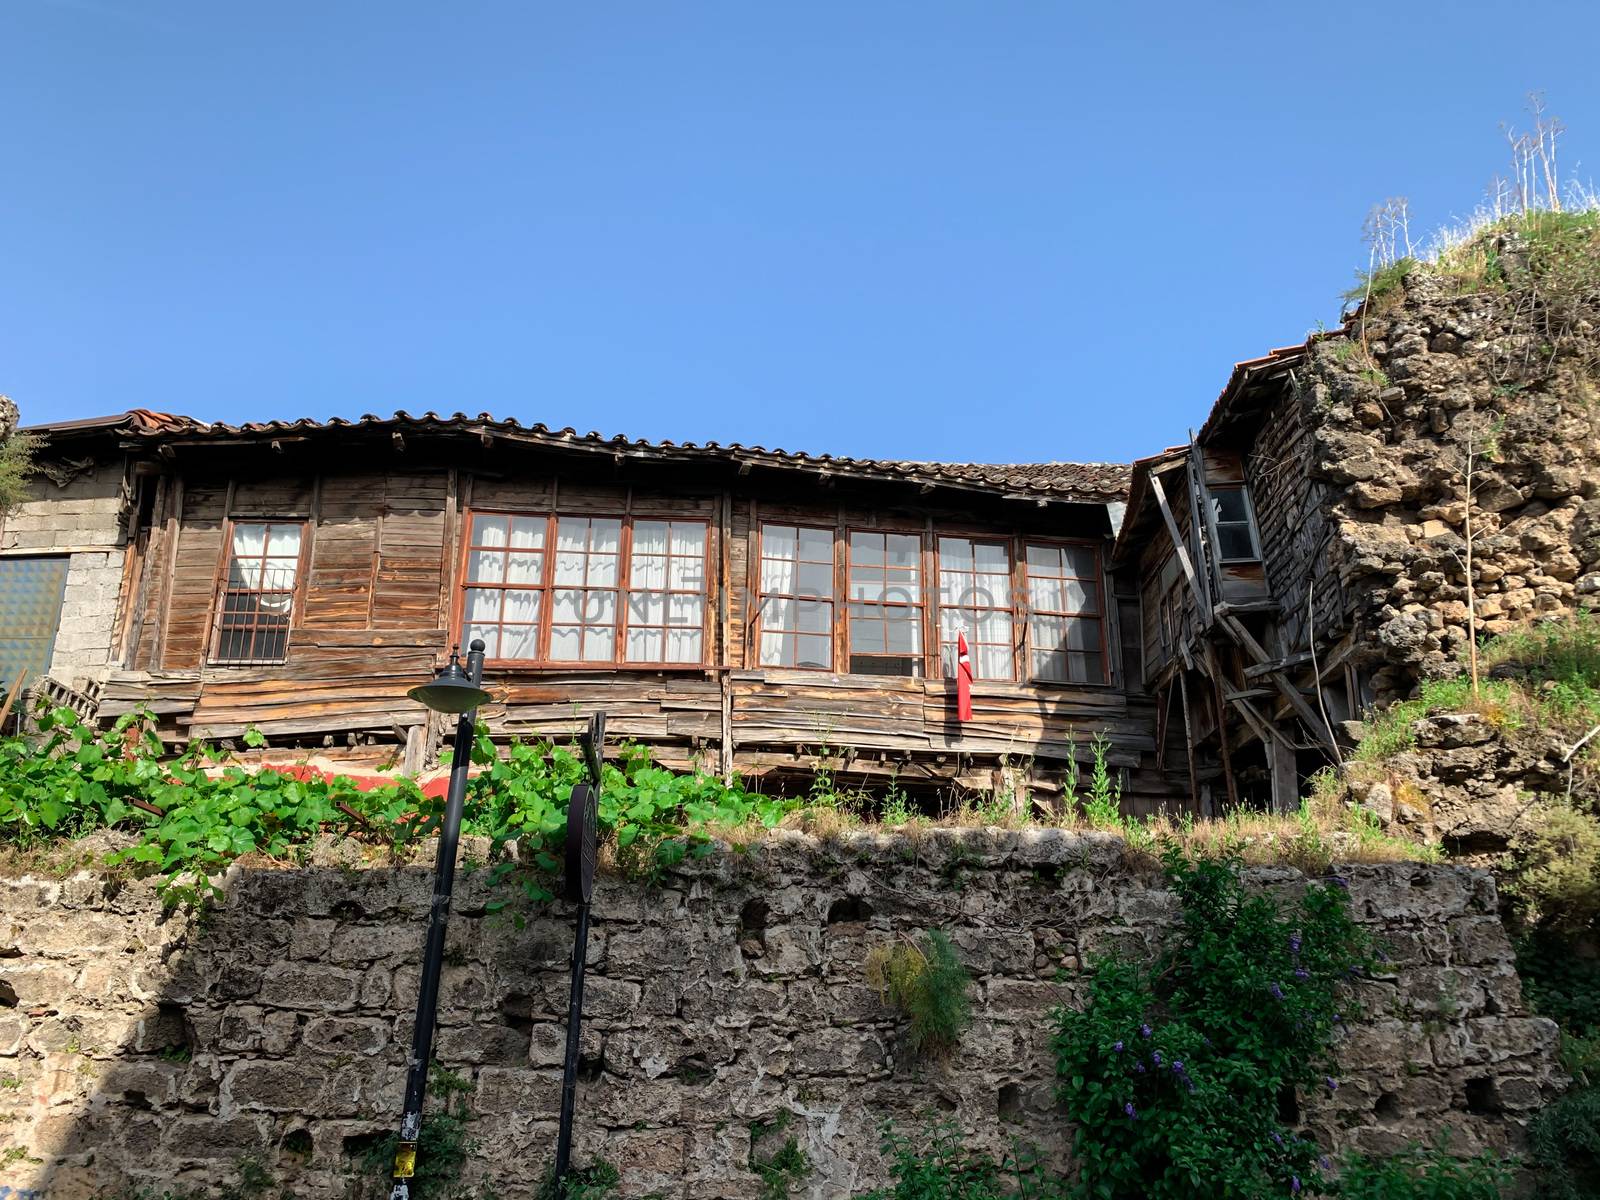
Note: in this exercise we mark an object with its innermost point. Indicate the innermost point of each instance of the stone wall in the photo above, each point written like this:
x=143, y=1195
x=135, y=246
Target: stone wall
x=146, y=1048
x=83, y=518
x=1392, y=403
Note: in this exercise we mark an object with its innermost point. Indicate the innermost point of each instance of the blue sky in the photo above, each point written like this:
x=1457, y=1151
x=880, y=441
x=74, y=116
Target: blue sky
x=1009, y=231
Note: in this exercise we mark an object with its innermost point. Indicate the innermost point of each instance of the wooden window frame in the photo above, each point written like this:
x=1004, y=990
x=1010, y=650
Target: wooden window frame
x=623, y=589
x=1243, y=489
x=1026, y=611
x=919, y=607
x=761, y=596
x=220, y=589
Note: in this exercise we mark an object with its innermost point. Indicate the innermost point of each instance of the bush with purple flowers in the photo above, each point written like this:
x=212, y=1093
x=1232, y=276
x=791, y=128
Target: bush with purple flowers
x=1240, y=1009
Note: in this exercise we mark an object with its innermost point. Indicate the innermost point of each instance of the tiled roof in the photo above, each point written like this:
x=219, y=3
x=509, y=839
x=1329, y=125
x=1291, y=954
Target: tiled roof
x=1084, y=482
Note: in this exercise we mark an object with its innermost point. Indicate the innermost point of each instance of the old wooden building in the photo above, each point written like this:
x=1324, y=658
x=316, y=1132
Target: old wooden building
x=749, y=611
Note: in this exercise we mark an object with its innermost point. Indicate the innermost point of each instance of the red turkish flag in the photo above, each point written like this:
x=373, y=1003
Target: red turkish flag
x=963, y=679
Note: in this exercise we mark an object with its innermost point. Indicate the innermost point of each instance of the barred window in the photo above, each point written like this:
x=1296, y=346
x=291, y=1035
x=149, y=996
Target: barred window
x=256, y=606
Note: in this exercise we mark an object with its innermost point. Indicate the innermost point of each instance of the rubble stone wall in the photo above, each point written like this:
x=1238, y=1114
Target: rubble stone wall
x=82, y=518
x=1393, y=403
x=725, y=1005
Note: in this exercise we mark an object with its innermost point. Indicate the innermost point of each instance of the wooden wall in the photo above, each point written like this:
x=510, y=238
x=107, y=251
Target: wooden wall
x=378, y=604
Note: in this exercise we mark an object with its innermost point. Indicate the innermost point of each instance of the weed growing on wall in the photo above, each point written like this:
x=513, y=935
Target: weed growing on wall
x=195, y=814
x=927, y=982
x=1173, y=1072
x=939, y=1166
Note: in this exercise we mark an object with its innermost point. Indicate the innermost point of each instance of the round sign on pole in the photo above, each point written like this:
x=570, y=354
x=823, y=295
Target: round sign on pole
x=579, y=882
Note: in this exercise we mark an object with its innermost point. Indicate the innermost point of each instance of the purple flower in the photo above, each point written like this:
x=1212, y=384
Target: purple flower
x=1339, y=881
x=1138, y=1066
x=1301, y=973
x=1144, y=1031
x=1133, y=1114
x=1192, y=1088
x=1324, y=1163
x=1277, y=992
x=1294, y=943
x=1278, y=1138
x=1155, y=1057
x=1294, y=1183
x=1116, y=1047
x=1177, y=1066
x=1338, y=1019
x=1333, y=1084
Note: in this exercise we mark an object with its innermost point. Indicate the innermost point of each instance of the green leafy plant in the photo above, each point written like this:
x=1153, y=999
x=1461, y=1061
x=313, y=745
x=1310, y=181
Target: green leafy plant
x=1174, y=1070
x=783, y=1170
x=1102, y=807
x=597, y=1181
x=443, y=1148
x=939, y=1166
x=1420, y=1173
x=927, y=982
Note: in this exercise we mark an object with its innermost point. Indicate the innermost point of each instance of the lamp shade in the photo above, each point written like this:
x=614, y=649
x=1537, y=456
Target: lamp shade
x=451, y=691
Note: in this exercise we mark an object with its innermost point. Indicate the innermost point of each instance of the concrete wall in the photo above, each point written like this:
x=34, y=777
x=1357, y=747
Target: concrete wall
x=84, y=518
x=148, y=1048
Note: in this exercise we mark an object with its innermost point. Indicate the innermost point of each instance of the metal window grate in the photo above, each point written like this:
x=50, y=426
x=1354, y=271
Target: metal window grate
x=257, y=602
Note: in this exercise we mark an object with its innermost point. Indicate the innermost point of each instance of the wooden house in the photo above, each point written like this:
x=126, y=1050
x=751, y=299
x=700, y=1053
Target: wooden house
x=749, y=611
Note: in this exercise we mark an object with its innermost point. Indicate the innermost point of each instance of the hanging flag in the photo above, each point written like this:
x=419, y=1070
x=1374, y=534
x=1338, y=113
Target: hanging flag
x=963, y=678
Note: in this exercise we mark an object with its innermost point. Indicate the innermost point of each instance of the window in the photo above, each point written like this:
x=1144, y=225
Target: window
x=505, y=583
x=257, y=601
x=975, y=596
x=667, y=592
x=885, y=603
x=796, y=611
x=550, y=589
x=1232, y=525
x=1065, y=626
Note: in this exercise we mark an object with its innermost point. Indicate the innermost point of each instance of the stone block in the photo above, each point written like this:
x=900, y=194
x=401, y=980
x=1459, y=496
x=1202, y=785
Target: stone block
x=294, y=985
x=293, y=1087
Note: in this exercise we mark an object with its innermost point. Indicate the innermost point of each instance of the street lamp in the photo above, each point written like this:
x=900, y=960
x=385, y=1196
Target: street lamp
x=459, y=691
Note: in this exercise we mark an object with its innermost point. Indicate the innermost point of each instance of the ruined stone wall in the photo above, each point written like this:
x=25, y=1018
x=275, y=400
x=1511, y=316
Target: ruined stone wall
x=1393, y=404
x=82, y=518
x=145, y=1048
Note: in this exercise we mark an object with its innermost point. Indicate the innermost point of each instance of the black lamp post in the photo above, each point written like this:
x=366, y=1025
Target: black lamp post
x=452, y=691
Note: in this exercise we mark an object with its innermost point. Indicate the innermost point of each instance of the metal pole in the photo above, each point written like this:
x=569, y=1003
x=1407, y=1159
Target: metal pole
x=444, y=876
x=569, y=1074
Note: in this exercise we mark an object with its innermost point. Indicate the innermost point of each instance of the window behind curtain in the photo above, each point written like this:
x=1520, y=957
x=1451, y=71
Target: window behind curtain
x=1064, y=618
x=257, y=601
x=583, y=593
x=885, y=603
x=1230, y=518
x=796, y=596
x=505, y=582
x=667, y=592
x=975, y=595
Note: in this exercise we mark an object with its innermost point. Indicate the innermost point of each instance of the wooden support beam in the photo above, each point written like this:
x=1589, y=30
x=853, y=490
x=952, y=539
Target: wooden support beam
x=1177, y=544
x=1285, y=777
x=1215, y=671
x=1188, y=740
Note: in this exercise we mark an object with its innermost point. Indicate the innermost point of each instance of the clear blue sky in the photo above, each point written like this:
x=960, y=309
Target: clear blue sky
x=1007, y=231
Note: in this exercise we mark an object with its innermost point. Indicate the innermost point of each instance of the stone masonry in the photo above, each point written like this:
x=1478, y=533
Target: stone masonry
x=148, y=1048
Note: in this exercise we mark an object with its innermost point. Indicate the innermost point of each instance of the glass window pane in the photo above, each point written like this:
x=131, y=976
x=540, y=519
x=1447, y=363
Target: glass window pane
x=603, y=570
x=486, y=566
x=991, y=662
x=283, y=541
x=903, y=550
x=648, y=571
x=955, y=553
x=904, y=636
x=772, y=648
x=567, y=606
x=1235, y=542
x=866, y=549
x=683, y=645
x=866, y=635
x=866, y=589
x=817, y=545
x=528, y=532
x=488, y=530
x=521, y=606
x=1079, y=561
x=813, y=617
x=572, y=533
x=992, y=558
x=778, y=541
x=525, y=568
x=650, y=537
x=777, y=576
x=812, y=651
x=598, y=641
x=687, y=574
x=483, y=604
x=814, y=579
x=645, y=645
x=565, y=643
x=686, y=611
x=1229, y=505
x=600, y=608
x=647, y=608
x=519, y=641
x=777, y=613
x=606, y=535
x=249, y=539
x=244, y=575
x=491, y=638
x=570, y=567
x=1050, y=666
x=1044, y=558
x=1086, y=668
x=689, y=539
x=1045, y=594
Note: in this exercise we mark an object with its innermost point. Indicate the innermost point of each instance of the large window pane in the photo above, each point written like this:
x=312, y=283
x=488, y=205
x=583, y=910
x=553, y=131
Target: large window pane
x=885, y=577
x=256, y=606
x=1064, y=623
x=666, y=572
x=796, y=605
x=975, y=598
